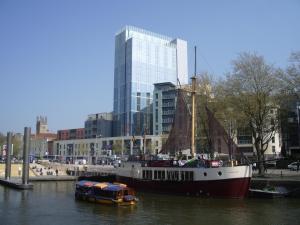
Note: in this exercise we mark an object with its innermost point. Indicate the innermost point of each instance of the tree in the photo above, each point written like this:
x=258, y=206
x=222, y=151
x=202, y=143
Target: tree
x=204, y=96
x=117, y=147
x=251, y=90
x=216, y=119
x=291, y=77
x=17, y=142
x=2, y=140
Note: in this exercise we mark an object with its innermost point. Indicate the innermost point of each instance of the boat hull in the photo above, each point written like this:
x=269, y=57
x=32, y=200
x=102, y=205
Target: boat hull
x=228, y=188
x=118, y=202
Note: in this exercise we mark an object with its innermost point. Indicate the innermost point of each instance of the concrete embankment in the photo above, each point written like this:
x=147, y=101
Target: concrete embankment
x=278, y=178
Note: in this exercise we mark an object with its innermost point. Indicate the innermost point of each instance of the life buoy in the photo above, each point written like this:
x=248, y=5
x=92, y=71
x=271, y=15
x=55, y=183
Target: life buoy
x=220, y=163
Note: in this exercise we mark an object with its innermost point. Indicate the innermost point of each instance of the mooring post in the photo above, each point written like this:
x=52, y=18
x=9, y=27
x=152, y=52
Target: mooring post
x=8, y=159
x=25, y=172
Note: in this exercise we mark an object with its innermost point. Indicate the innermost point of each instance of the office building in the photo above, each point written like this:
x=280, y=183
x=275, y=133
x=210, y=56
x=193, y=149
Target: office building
x=164, y=104
x=98, y=125
x=143, y=58
x=67, y=134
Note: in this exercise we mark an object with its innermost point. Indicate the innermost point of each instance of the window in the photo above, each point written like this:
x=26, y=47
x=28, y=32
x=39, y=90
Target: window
x=187, y=175
x=138, y=101
x=147, y=174
x=273, y=139
x=173, y=175
x=156, y=95
x=273, y=149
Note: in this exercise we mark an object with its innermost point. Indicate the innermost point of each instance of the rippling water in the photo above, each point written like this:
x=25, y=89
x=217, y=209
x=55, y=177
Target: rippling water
x=54, y=203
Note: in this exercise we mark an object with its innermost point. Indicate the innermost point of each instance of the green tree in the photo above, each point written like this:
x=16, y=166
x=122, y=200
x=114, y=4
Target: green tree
x=17, y=143
x=117, y=147
x=2, y=139
x=204, y=98
x=250, y=87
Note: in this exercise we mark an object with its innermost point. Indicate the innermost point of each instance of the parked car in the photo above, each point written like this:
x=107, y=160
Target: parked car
x=270, y=164
x=293, y=166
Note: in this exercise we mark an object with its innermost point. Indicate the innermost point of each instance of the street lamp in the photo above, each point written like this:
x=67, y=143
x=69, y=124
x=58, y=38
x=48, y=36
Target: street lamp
x=97, y=145
x=298, y=118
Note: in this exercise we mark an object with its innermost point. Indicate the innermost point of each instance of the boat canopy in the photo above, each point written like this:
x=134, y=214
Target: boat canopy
x=102, y=185
x=113, y=187
x=86, y=183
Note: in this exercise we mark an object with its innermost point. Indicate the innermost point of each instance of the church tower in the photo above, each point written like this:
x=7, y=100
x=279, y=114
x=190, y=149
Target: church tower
x=41, y=125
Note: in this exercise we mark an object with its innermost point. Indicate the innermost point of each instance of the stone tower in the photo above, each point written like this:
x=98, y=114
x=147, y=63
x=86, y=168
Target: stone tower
x=41, y=125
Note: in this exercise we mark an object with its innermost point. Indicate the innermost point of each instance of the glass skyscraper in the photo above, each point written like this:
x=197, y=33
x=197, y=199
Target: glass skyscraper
x=143, y=58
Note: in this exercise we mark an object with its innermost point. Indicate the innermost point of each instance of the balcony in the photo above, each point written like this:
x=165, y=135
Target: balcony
x=168, y=112
x=168, y=96
x=169, y=120
x=168, y=104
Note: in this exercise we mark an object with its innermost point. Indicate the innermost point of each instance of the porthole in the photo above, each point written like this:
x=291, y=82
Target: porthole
x=220, y=173
x=205, y=174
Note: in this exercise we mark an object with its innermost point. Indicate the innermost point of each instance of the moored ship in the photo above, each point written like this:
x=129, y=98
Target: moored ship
x=214, y=181
x=202, y=177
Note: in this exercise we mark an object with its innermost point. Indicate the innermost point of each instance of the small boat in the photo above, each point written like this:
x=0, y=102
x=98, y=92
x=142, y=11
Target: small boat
x=268, y=192
x=105, y=193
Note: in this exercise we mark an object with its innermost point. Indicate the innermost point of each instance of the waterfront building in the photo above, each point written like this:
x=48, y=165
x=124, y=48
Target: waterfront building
x=39, y=144
x=164, y=104
x=67, y=134
x=245, y=141
x=98, y=125
x=41, y=125
x=290, y=128
x=143, y=58
x=39, y=141
x=94, y=149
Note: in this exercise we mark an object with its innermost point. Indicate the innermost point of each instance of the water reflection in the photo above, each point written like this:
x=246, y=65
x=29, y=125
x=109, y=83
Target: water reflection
x=54, y=203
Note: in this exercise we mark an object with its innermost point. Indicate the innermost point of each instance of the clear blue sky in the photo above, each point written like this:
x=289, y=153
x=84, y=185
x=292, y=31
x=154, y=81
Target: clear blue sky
x=57, y=56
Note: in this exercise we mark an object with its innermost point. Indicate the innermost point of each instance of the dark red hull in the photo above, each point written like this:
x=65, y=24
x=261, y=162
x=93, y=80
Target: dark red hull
x=228, y=188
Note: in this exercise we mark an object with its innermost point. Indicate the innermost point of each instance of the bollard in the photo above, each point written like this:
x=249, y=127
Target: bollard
x=25, y=172
x=8, y=159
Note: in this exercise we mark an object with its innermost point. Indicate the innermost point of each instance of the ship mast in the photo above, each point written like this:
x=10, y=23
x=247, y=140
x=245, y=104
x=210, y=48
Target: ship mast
x=193, y=147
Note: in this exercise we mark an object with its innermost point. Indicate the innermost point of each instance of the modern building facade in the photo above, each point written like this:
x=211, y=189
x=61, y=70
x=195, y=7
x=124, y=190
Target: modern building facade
x=98, y=125
x=78, y=133
x=94, y=149
x=290, y=129
x=39, y=144
x=143, y=58
x=164, y=104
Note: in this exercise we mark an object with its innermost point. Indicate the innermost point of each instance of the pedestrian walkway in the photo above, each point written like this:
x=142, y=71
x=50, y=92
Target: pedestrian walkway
x=16, y=170
x=279, y=173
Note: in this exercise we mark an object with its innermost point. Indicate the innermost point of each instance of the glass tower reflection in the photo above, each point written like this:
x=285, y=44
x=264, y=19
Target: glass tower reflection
x=143, y=58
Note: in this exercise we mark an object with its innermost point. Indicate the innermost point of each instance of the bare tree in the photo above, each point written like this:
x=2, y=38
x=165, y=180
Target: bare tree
x=291, y=77
x=251, y=89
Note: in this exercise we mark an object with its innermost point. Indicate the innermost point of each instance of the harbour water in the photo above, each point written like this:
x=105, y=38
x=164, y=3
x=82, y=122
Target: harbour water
x=54, y=203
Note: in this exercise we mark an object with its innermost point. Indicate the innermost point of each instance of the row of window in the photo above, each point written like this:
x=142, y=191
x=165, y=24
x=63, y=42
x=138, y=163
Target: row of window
x=168, y=175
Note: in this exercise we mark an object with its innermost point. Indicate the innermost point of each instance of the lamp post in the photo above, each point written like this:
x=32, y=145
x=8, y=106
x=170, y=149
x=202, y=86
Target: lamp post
x=298, y=120
x=97, y=145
